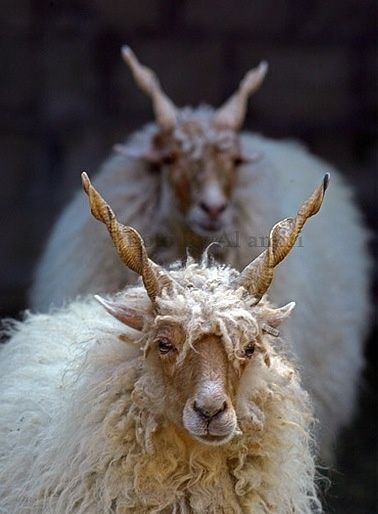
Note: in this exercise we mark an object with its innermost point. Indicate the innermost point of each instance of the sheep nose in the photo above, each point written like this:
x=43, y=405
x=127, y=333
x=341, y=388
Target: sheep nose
x=213, y=210
x=209, y=411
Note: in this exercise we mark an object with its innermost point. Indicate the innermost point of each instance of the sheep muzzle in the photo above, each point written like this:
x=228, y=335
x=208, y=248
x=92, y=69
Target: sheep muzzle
x=209, y=415
x=210, y=419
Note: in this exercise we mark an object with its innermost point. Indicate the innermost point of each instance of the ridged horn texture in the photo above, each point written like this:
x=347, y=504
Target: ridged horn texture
x=232, y=113
x=128, y=243
x=164, y=109
x=257, y=276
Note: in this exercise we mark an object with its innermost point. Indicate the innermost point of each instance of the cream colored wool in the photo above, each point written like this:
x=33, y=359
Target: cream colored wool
x=327, y=273
x=84, y=430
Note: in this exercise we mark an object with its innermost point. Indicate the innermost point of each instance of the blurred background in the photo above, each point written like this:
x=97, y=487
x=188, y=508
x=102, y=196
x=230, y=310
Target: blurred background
x=66, y=97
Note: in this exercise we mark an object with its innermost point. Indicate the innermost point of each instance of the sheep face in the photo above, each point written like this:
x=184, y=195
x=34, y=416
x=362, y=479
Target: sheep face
x=202, y=154
x=199, y=388
x=199, y=348
x=201, y=164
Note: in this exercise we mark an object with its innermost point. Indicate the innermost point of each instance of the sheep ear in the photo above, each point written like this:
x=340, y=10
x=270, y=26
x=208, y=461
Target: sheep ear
x=277, y=316
x=152, y=156
x=125, y=315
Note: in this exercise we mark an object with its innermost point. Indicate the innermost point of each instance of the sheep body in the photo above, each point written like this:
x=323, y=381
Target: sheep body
x=79, y=434
x=327, y=275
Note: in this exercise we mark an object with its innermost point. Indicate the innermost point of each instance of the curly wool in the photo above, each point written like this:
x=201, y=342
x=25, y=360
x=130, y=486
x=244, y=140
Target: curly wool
x=79, y=433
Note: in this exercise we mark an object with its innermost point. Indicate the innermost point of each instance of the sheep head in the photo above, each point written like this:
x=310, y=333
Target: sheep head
x=199, y=152
x=209, y=324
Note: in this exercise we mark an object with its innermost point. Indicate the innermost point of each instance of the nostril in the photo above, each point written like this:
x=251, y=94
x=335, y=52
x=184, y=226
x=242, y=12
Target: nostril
x=204, y=207
x=209, y=412
x=213, y=210
x=200, y=410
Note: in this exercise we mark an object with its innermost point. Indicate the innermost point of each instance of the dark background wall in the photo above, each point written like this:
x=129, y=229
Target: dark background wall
x=66, y=97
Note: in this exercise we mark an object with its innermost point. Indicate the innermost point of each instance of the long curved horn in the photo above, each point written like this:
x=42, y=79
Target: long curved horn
x=165, y=111
x=128, y=243
x=232, y=113
x=257, y=276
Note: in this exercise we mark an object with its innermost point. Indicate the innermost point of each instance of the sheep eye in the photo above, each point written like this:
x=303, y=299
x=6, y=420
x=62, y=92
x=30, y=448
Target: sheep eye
x=249, y=350
x=165, y=345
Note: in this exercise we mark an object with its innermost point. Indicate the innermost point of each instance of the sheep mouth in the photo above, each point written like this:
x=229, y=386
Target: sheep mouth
x=214, y=440
x=208, y=227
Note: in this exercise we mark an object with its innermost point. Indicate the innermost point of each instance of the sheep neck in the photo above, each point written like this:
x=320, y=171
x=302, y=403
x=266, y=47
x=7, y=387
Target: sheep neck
x=191, y=465
x=187, y=238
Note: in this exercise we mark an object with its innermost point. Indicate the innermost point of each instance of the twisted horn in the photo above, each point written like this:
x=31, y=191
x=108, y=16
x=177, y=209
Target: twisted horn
x=232, y=113
x=128, y=243
x=257, y=276
x=164, y=109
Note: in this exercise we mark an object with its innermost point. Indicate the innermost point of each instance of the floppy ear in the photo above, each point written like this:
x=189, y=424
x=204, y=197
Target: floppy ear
x=125, y=315
x=274, y=317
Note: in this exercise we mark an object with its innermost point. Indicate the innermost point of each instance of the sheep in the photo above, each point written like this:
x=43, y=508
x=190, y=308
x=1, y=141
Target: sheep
x=192, y=178
x=184, y=400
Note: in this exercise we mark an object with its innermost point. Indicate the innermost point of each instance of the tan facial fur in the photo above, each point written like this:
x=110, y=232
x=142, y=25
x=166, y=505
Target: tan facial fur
x=199, y=380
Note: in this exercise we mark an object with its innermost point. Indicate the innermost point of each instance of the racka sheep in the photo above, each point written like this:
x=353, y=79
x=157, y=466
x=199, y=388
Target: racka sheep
x=191, y=178
x=185, y=403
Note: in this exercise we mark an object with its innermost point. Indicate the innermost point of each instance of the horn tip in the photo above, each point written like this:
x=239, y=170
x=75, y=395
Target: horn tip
x=85, y=181
x=326, y=180
x=263, y=67
x=126, y=52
